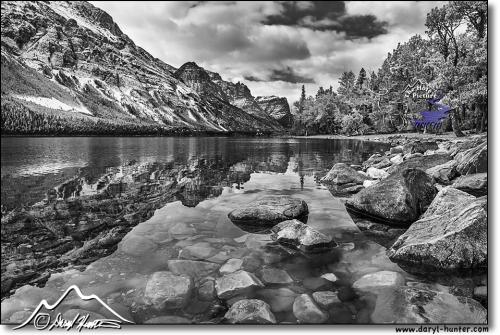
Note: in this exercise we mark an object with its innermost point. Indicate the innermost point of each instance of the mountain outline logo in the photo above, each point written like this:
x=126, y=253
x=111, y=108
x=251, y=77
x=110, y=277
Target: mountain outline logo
x=78, y=321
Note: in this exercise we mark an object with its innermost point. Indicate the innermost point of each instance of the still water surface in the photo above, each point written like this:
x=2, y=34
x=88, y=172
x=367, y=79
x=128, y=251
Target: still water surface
x=31, y=166
x=235, y=171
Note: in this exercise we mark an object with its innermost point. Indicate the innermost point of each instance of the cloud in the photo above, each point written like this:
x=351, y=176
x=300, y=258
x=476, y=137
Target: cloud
x=286, y=74
x=274, y=47
x=328, y=15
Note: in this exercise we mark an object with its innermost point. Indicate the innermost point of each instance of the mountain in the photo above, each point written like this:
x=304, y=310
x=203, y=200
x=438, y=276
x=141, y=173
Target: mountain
x=277, y=108
x=67, y=68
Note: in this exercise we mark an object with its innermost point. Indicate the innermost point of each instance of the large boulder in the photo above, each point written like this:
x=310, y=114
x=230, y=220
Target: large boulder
x=260, y=215
x=236, y=283
x=165, y=290
x=474, y=160
x=447, y=199
x=446, y=240
x=443, y=173
x=399, y=199
x=341, y=174
x=306, y=310
x=419, y=147
x=296, y=235
x=417, y=306
x=248, y=311
x=475, y=184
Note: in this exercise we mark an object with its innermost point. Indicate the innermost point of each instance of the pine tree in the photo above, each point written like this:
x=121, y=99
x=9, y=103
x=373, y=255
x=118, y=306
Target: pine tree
x=361, y=78
x=321, y=91
x=302, y=100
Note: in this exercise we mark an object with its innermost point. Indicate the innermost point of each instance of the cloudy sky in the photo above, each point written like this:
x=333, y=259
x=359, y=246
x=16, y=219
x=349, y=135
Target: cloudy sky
x=274, y=47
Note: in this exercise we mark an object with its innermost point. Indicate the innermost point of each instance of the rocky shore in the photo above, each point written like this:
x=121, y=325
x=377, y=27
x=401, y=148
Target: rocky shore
x=426, y=201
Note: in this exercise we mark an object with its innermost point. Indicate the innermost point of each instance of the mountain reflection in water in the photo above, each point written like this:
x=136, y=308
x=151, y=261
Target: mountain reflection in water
x=89, y=165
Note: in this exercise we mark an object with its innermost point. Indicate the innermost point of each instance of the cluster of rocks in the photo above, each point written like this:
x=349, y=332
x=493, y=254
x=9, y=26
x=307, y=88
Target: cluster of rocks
x=429, y=200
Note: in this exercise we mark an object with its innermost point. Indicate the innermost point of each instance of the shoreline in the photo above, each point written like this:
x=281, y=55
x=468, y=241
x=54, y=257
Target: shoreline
x=388, y=138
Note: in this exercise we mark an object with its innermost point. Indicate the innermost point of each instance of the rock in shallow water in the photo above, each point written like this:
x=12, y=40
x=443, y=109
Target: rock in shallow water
x=326, y=299
x=191, y=268
x=260, y=215
x=248, y=311
x=295, y=234
x=412, y=305
x=307, y=311
x=398, y=199
x=232, y=265
x=275, y=276
x=280, y=299
x=378, y=280
x=342, y=173
x=138, y=246
x=168, y=319
x=453, y=240
x=165, y=290
x=236, y=283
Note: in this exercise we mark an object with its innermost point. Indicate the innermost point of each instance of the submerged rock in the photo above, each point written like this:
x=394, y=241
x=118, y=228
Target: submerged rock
x=201, y=250
x=326, y=299
x=138, y=246
x=275, y=276
x=206, y=291
x=191, y=268
x=236, y=283
x=449, y=240
x=280, y=299
x=165, y=290
x=475, y=184
x=295, y=234
x=250, y=311
x=260, y=215
x=307, y=311
x=232, y=265
x=378, y=280
x=342, y=173
x=168, y=319
x=398, y=199
x=413, y=305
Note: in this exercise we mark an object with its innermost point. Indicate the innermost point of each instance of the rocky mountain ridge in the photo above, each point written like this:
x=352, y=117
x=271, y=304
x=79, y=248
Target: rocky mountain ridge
x=68, y=65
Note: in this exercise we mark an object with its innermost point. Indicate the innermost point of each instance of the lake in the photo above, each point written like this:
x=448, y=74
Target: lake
x=33, y=165
x=216, y=175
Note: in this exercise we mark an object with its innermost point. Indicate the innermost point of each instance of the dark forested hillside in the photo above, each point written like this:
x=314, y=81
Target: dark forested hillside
x=452, y=58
